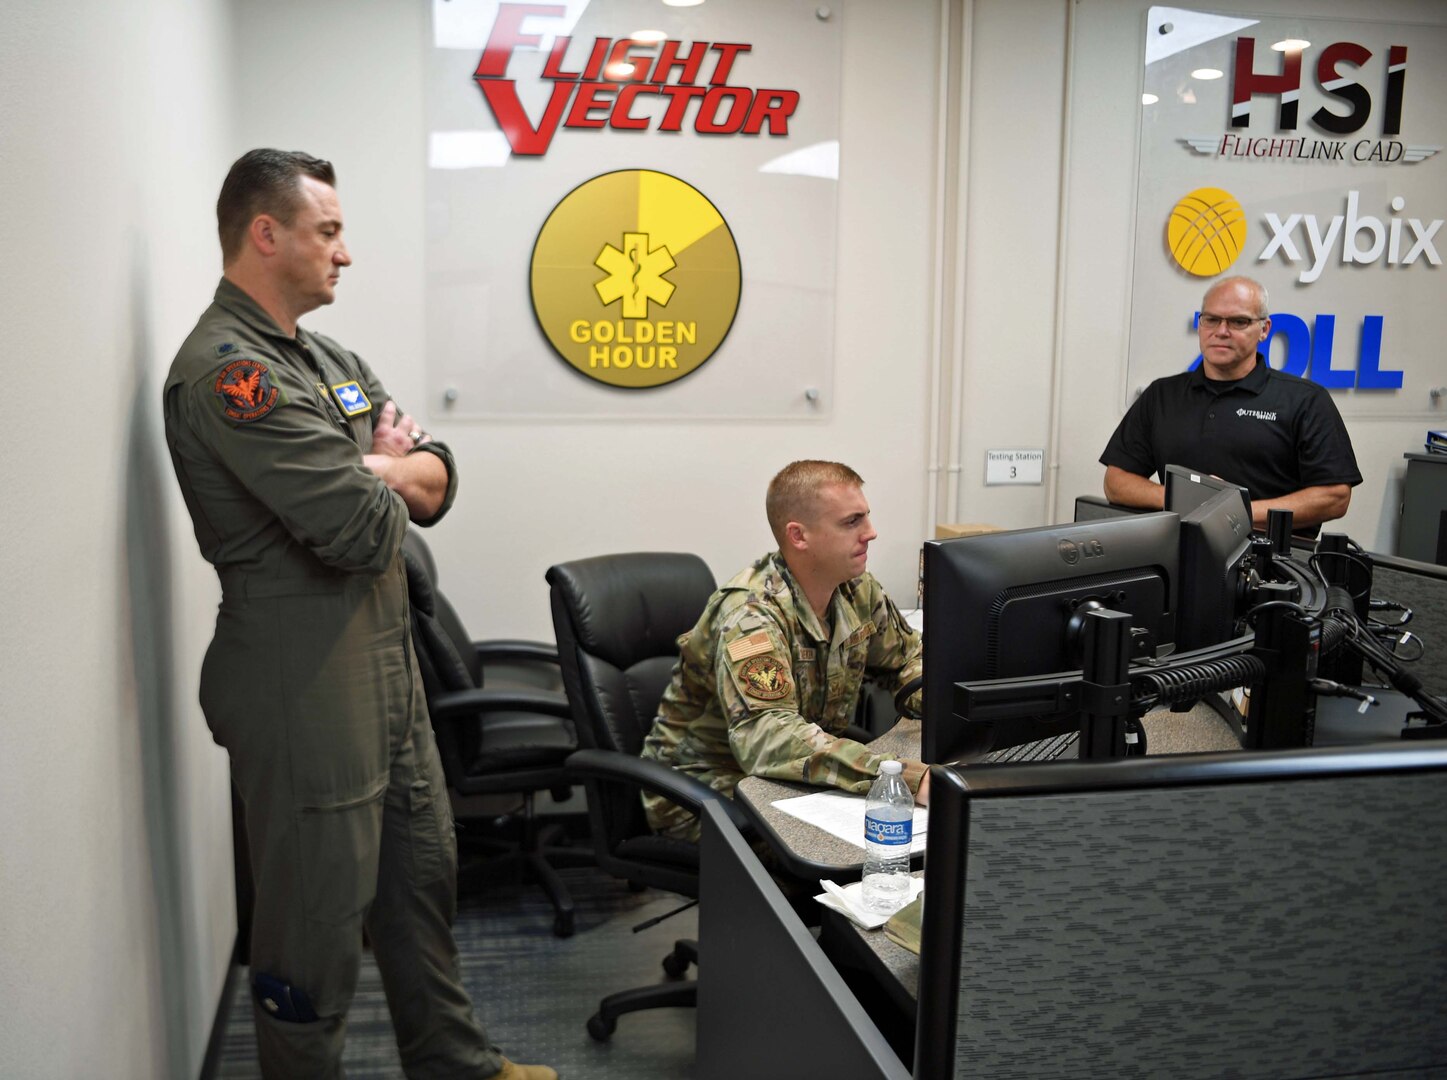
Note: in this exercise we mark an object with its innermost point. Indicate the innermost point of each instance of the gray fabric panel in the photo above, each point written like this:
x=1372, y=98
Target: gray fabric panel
x=1271, y=930
x=1427, y=597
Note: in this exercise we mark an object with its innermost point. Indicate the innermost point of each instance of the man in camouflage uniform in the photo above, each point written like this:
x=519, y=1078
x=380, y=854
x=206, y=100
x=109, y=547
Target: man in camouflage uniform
x=769, y=677
x=301, y=474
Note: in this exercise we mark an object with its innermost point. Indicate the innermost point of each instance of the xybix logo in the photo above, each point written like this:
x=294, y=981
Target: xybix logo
x=1206, y=232
x=1364, y=238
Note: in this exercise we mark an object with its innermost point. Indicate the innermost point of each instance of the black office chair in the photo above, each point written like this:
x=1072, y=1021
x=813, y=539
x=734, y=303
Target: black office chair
x=617, y=619
x=512, y=740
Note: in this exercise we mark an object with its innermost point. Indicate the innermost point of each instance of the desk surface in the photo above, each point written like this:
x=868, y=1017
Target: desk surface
x=809, y=853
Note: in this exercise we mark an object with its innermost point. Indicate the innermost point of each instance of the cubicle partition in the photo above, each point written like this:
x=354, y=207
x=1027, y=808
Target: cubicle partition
x=1214, y=915
x=769, y=1002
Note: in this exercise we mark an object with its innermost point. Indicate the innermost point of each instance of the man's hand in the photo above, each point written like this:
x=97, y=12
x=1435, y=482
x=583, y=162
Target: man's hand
x=1309, y=506
x=922, y=795
x=395, y=435
x=421, y=479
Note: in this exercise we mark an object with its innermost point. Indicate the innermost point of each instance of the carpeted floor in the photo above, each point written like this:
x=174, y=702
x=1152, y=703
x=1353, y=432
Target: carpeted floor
x=534, y=991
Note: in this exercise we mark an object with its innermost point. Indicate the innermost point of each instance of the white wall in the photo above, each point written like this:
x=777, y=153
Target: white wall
x=116, y=909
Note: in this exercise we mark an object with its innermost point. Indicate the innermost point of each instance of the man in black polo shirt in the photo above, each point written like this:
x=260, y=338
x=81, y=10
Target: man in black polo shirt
x=1279, y=436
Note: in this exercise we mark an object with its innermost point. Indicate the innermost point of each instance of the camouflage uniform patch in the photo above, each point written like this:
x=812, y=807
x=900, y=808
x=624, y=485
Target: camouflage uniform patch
x=764, y=678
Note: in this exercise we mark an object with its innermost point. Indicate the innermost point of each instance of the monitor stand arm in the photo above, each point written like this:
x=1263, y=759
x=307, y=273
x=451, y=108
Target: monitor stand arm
x=1105, y=685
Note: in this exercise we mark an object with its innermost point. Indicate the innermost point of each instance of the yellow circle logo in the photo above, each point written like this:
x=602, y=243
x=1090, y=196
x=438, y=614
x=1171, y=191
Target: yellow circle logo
x=635, y=278
x=1206, y=231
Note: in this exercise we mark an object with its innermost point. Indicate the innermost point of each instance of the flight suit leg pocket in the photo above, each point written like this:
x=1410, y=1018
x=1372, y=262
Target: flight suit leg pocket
x=339, y=844
x=430, y=830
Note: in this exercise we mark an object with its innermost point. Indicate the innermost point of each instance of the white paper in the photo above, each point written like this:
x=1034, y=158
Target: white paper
x=842, y=815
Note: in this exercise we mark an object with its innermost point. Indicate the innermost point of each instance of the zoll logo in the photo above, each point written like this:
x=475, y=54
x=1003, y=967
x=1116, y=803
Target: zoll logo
x=1206, y=231
x=635, y=279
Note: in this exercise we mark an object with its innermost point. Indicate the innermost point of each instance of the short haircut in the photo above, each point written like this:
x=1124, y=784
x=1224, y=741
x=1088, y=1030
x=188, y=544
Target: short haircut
x=1263, y=304
x=794, y=492
x=264, y=182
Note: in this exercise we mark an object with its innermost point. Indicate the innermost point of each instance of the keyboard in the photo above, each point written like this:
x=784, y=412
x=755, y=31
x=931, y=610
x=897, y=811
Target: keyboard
x=1059, y=746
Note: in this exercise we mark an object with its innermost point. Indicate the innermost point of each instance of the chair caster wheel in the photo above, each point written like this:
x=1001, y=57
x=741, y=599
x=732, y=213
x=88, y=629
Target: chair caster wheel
x=675, y=965
x=600, y=1028
x=563, y=924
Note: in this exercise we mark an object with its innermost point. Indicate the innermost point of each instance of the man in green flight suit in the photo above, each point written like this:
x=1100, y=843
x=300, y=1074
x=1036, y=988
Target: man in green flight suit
x=301, y=474
x=769, y=677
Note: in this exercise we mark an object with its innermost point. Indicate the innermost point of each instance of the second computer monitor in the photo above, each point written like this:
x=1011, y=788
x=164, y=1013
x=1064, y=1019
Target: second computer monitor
x=1187, y=489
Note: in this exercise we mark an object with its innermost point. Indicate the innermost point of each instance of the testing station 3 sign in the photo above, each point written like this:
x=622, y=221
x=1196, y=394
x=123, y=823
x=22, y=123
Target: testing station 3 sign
x=1306, y=154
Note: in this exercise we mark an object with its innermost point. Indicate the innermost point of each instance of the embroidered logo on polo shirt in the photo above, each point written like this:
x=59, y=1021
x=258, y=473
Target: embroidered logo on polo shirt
x=764, y=678
x=1258, y=413
x=350, y=397
x=245, y=390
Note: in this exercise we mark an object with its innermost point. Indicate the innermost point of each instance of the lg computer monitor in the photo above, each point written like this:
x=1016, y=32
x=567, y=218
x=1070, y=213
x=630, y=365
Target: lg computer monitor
x=1012, y=604
x=1186, y=490
x=1215, y=540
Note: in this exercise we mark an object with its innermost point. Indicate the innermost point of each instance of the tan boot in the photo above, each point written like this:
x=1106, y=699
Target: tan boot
x=512, y=1071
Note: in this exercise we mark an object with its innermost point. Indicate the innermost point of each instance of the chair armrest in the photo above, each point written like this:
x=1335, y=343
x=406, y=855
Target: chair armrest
x=455, y=703
x=659, y=779
x=502, y=650
x=858, y=734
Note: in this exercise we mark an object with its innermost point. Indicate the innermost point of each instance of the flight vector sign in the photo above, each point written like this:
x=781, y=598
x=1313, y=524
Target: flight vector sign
x=600, y=86
x=635, y=279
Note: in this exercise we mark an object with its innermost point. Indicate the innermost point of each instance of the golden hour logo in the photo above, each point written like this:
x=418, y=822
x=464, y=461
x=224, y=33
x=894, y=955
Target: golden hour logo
x=635, y=278
x=1206, y=231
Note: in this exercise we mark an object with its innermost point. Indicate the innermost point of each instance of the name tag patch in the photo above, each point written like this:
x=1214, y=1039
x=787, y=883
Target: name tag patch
x=351, y=398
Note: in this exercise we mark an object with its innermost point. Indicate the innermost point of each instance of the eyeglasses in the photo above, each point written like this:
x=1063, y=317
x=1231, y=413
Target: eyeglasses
x=1235, y=322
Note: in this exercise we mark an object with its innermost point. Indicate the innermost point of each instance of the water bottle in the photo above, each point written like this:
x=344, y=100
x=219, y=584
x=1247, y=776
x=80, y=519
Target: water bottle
x=888, y=829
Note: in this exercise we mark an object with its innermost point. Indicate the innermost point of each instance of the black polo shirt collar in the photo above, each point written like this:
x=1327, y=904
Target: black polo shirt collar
x=1253, y=382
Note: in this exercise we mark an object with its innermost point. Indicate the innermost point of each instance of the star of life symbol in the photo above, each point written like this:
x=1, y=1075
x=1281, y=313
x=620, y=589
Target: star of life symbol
x=635, y=275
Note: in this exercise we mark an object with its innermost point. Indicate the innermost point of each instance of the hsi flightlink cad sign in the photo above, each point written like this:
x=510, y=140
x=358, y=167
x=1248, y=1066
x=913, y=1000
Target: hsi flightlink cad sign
x=1249, y=83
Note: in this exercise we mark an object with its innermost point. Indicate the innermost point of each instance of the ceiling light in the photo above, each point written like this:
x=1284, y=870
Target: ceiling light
x=682, y=3
x=1292, y=44
x=619, y=69
x=1205, y=74
x=1149, y=99
x=649, y=37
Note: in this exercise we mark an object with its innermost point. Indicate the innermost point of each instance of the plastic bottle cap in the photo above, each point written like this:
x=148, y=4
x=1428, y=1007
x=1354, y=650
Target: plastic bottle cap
x=893, y=768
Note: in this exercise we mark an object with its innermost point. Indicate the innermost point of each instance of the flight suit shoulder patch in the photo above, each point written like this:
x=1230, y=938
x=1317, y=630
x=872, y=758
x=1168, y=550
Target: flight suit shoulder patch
x=764, y=677
x=753, y=645
x=245, y=390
